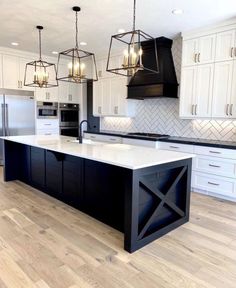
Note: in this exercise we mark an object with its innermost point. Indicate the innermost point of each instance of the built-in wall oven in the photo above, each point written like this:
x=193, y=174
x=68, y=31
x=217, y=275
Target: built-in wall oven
x=47, y=110
x=69, y=119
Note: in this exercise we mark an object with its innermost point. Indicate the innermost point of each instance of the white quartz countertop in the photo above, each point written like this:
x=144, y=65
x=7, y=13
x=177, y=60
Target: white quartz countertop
x=123, y=155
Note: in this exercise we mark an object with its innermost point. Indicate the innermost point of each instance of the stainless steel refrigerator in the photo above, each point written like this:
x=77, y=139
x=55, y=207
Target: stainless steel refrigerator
x=17, y=114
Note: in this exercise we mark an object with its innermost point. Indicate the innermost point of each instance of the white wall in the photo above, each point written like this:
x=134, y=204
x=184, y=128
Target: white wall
x=162, y=116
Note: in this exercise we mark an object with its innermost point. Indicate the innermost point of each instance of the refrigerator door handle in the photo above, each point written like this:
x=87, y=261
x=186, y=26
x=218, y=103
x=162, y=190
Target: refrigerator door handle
x=7, y=122
x=3, y=120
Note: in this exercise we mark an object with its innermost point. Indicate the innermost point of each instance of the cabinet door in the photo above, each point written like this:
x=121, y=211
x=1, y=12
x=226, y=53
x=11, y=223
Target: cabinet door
x=225, y=43
x=97, y=98
x=206, y=51
x=232, y=108
x=188, y=92
x=74, y=93
x=11, y=77
x=1, y=75
x=204, y=86
x=190, y=50
x=37, y=164
x=118, y=96
x=72, y=181
x=30, y=70
x=222, y=89
x=54, y=162
x=47, y=94
x=106, y=96
x=63, y=92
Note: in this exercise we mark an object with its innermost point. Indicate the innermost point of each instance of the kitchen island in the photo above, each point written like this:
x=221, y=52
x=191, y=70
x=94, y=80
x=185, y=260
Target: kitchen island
x=143, y=192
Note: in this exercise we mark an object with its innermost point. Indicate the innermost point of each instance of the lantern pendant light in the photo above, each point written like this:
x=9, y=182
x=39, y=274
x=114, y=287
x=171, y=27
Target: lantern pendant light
x=129, y=44
x=40, y=73
x=76, y=65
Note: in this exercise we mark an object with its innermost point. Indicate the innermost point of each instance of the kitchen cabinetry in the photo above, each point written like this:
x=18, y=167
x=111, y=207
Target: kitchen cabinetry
x=1, y=83
x=225, y=45
x=199, y=50
x=47, y=127
x=47, y=94
x=37, y=164
x=103, y=138
x=196, y=91
x=110, y=93
x=208, y=90
x=13, y=68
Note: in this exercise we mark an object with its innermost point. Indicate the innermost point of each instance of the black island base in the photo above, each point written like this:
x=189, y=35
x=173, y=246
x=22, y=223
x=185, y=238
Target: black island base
x=144, y=203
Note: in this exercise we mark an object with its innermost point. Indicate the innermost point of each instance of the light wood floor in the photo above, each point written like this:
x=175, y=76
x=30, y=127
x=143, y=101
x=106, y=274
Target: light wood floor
x=45, y=243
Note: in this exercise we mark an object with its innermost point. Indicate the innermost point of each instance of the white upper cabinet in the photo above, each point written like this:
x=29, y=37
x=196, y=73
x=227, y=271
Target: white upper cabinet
x=1, y=84
x=47, y=94
x=11, y=73
x=189, y=53
x=222, y=89
x=110, y=92
x=13, y=68
x=208, y=74
x=206, y=49
x=199, y=50
x=225, y=45
x=196, y=91
x=187, y=92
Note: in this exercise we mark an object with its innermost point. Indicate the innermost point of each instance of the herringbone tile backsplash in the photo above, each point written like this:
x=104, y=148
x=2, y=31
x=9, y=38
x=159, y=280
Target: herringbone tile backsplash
x=162, y=116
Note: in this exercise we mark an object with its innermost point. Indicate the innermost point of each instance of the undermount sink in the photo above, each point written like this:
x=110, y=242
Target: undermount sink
x=87, y=141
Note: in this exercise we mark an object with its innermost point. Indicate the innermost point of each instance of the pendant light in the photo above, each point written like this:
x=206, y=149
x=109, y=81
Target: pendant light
x=129, y=45
x=40, y=73
x=76, y=65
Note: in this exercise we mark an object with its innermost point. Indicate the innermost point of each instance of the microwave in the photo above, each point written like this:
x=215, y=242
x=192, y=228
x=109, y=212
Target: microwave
x=47, y=110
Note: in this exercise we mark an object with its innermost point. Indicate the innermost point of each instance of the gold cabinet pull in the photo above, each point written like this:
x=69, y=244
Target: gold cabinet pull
x=198, y=58
x=195, y=57
x=231, y=110
x=232, y=52
x=196, y=109
x=227, y=109
x=192, y=109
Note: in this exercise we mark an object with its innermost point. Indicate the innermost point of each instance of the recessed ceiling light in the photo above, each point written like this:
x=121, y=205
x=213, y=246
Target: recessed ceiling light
x=54, y=52
x=14, y=43
x=83, y=43
x=177, y=11
x=121, y=30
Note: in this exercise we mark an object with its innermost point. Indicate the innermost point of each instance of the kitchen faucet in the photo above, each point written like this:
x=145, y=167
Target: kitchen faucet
x=80, y=136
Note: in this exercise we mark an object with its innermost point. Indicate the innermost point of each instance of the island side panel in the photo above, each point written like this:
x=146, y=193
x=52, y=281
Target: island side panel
x=157, y=200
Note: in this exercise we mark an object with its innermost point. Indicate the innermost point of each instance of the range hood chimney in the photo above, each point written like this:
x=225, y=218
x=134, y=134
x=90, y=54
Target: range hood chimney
x=150, y=85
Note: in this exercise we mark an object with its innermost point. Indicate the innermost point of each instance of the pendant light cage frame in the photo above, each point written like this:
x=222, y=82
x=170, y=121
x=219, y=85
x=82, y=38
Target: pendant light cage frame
x=40, y=73
x=76, y=65
x=126, y=42
x=130, y=43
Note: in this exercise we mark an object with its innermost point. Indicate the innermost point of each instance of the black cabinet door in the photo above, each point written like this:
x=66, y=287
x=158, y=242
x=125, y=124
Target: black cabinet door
x=104, y=193
x=37, y=164
x=54, y=164
x=24, y=163
x=72, y=181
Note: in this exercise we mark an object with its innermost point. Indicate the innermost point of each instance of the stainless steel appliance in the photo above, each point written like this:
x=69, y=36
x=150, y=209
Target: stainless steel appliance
x=17, y=114
x=69, y=119
x=47, y=110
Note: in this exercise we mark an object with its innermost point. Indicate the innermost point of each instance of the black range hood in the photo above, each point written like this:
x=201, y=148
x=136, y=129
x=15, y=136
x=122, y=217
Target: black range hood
x=151, y=85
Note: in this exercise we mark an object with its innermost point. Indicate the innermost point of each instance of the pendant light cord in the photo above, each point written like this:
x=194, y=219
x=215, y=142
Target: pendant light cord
x=134, y=15
x=40, y=46
x=76, y=30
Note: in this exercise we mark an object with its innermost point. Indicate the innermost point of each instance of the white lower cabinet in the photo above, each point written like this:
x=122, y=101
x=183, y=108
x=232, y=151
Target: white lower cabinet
x=103, y=138
x=213, y=183
x=213, y=168
x=47, y=127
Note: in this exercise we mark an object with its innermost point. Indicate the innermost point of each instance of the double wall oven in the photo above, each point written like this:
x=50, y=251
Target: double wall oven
x=69, y=119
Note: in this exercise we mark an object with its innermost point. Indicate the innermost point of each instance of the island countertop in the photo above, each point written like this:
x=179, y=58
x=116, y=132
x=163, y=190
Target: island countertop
x=122, y=155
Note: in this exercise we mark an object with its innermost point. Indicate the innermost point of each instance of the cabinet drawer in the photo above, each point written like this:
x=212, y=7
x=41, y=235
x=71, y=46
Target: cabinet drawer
x=215, y=184
x=104, y=138
x=176, y=147
x=47, y=124
x=215, y=152
x=47, y=132
x=217, y=166
x=140, y=142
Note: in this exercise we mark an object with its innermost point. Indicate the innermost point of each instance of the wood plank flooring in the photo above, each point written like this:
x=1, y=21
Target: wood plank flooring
x=47, y=244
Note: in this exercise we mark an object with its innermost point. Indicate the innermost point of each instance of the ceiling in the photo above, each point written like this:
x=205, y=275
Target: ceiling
x=99, y=19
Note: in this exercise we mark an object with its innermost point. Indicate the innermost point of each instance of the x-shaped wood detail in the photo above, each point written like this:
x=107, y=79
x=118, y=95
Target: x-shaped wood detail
x=164, y=200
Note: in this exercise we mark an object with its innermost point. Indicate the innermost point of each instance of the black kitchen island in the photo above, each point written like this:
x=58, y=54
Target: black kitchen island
x=144, y=201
